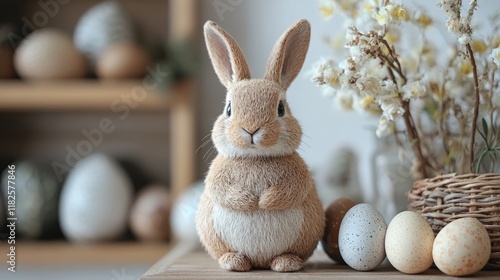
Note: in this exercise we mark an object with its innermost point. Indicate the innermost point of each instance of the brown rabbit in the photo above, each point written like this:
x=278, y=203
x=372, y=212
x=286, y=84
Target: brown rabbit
x=259, y=207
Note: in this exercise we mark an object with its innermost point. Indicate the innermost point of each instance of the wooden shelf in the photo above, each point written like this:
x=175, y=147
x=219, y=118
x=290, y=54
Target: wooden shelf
x=184, y=262
x=62, y=253
x=82, y=95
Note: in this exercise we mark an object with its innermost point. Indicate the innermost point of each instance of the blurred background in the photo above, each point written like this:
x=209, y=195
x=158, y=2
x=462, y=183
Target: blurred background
x=104, y=110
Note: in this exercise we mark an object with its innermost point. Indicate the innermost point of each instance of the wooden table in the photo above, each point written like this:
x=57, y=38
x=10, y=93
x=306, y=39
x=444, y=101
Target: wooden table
x=188, y=261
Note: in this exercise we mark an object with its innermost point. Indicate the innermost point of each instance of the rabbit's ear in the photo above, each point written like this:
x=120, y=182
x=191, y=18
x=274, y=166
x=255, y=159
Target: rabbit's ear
x=227, y=57
x=289, y=54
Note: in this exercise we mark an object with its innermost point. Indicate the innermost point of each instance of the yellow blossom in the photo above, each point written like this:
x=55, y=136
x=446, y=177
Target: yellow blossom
x=479, y=46
x=424, y=20
x=429, y=55
x=332, y=79
x=367, y=7
x=495, y=42
x=367, y=101
x=400, y=13
x=326, y=11
x=392, y=36
x=465, y=67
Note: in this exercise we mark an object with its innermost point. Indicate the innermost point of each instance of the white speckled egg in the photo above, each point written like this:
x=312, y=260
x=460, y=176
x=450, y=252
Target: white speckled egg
x=462, y=247
x=361, y=237
x=408, y=243
x=95, y=200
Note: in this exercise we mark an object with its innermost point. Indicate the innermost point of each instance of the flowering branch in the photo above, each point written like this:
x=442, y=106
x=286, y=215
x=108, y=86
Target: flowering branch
x=394, y=64
x=421, y=100
x=476, y=104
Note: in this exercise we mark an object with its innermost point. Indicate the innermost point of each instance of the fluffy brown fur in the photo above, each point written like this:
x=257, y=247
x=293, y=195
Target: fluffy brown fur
x=259, y=207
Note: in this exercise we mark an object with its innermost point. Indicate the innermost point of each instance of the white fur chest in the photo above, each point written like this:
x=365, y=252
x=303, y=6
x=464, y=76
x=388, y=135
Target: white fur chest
x=260, y=234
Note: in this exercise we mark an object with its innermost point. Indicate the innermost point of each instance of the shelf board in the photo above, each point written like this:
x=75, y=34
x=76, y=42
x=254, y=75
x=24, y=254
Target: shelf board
x=61, y=253
x=196, y=264
x=70, y=95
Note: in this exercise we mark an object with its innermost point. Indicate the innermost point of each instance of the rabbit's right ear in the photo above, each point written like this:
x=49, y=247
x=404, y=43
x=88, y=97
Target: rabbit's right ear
x=227, y=58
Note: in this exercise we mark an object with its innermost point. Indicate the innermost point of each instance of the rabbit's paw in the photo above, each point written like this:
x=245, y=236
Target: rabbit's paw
x=287, y=263
x=235, y=262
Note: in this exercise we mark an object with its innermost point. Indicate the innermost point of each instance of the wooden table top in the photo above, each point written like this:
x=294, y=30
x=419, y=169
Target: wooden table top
x=190, y=262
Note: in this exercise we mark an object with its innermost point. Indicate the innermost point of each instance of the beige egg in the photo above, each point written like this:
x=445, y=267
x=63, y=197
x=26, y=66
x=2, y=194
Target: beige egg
x=408, y=243
x=334, y=215
x=150, y=214
x=49, y=54
x=124, y=60
x=462, y=247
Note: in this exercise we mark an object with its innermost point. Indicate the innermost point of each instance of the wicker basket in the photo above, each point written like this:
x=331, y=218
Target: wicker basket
x=443, y=199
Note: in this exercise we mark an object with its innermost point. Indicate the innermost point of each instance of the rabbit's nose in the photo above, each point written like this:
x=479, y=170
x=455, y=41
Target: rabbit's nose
x=250, y=135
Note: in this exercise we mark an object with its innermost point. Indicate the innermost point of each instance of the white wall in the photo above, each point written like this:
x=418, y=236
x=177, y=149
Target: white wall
x=256, y=25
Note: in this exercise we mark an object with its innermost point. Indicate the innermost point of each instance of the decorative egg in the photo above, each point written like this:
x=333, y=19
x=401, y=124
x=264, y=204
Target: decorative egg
x=361, y=237
x=408, y=243
x=95, y=200
x=102, y=25
x=49, y=54
x=462, y=247
x=183, y=214
x=124, y=60
x=37, y=198
x=6, y=62
x=150, y=214
x=334, y=215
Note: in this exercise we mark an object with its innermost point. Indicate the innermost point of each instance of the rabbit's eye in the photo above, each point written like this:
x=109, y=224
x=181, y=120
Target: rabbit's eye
x=281, y=109
x=228, y=109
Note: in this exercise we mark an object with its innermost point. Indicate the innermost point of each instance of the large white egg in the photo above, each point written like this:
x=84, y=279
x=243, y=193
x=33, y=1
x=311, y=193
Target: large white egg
x=362, y=236
x=49, y=54
x=183, y=215
x=95, y=200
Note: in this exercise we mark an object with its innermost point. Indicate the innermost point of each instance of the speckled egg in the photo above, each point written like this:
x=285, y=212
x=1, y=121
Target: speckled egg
x=461, y=248
x=334, y=215
x=361, y=237
x=408, y=243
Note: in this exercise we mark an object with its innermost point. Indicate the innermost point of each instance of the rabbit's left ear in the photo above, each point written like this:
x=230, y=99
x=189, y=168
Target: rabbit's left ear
x=288, y=54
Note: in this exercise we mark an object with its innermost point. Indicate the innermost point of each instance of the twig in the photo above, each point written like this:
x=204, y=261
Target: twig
x=412, y=134
x=476, y=105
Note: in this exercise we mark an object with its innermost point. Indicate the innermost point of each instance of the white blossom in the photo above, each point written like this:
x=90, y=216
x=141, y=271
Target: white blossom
x=391, y=108
x=368, y=84
x=415, y=89
x=495, y=55
x=357, y=54
x=464, y=39
x=328, y=91
x=322, y=72
x=383, y=15
x=344, y=98
x=385, y=127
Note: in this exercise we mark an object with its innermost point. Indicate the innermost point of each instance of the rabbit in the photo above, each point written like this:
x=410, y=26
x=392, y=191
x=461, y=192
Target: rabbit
x=259, y=208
